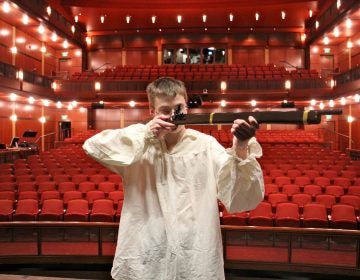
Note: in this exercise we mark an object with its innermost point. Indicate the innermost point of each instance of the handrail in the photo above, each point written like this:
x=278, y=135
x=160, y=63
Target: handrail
x=106, y=63
x=234, y=238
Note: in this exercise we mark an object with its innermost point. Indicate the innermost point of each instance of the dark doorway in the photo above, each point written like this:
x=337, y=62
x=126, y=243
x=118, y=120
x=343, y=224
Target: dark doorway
x=64, y=130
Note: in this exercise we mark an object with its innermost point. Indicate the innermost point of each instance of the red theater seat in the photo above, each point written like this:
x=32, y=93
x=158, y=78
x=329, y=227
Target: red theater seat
x=77, y=210
x=102, y=211
x=315, y=216
x=343, y=216
x=287, y=215
x=6, y=210
x=52, y=210
x=26, y=210
x=262, y=215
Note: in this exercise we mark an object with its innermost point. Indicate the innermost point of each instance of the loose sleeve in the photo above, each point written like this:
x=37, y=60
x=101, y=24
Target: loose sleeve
x=240, y=181
x=118, y=147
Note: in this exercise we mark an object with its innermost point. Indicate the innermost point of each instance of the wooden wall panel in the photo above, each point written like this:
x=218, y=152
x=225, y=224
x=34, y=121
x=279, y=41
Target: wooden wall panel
x=248, y=56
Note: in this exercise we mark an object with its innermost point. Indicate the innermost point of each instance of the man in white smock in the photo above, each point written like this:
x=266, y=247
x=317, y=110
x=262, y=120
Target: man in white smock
x=173, y=177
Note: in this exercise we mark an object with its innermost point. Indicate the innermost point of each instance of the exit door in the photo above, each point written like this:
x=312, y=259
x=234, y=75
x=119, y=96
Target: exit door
x=64, y=130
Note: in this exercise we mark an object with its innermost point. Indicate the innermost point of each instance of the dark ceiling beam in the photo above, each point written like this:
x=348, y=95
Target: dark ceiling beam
x=56, y=21
x=329, y=18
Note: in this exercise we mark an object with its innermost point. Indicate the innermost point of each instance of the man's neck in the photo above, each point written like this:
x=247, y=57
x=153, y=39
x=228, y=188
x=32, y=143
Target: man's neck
x=172, y=139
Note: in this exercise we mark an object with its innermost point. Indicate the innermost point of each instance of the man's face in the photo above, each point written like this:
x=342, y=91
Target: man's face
x=168, y=105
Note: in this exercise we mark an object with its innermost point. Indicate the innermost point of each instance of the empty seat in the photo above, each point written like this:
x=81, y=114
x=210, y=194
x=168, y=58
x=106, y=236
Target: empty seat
x=315, y=216
x=322, y=181
x=28, y=195
x=115, y=178
x=262, y=215
x=107, y=187
x=87, y=186
x=116, y=196
x=236, y=219
x=27, y=186
x=10, y=195
x=291, y=189
x=97, y=178
x=287, y=215
x=354, y=190
x=61, y=178
x=293, y=173
x=328, y=200
x=337, y=191
x=343, y=216
x=342, y=181
x=271, y=188
x=66, y=186
x=78, y=178
x=91, y=196
x=69, y=195
x=45, y=195
x=301, y=199
x=282, y=180
x=352, y=200
x=26, y=210
x=43, y=178
x=47, y=186
x=313, y=190
x=52, y=210
x=275, y=198
x=102, y=211
x=77, y=210
x=7, y=186
x=6, y=210
x=302, y=181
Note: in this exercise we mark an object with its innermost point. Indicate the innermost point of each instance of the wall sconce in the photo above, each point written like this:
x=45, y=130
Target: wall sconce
x=287, y=84
x=97, y=86
x=13, y=117
x=223, y=86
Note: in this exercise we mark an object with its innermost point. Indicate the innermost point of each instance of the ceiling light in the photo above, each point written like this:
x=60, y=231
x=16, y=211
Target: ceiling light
x=20, y=40
x=348, y=23
x=343, y=101
x=253, y=103
x=13, y=96
x=310, y=13
x=223, y=103
x=349, y=44
x=153, y=19
x=287, y=84
x=4, y=32
x=102, y=19
x=336, y=32
x=338, y=4
x=321, y=106
x=326, y=40
x=316, y=24
x=331, y=103
x=257, y=16
x=25, y=19
x=283, y=14
x=43, y=49
x=350, y=119
x=13, y=50
x=46, y=102
x=357, y=98
x=41, y=29
x=72, y=28
x=6, y=7
x=59, y=105
x=132, y=103
x=13, y=117
x=76, y=18
x=204, y=18
x=312, y=102
x=54, y=37
x=179, y=18
x=97, y=86
x=48, y=10
x=128, y=18
x=231, y=17
x=31, y=100
x=65, y=44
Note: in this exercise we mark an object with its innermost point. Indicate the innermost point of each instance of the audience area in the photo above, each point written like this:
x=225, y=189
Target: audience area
x=189, y=72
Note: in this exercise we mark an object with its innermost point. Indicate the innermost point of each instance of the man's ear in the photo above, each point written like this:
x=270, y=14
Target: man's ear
x=152, y=111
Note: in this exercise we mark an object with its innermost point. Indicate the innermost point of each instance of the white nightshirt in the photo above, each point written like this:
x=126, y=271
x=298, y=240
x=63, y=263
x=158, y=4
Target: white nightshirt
x=169, y=227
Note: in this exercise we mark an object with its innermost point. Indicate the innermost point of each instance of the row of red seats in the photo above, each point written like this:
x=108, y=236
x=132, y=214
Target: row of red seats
x=287, y=214
x=102, y=210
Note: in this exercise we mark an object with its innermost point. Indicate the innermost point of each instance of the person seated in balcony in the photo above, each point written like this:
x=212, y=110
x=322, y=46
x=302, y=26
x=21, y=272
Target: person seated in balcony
x=173, y=177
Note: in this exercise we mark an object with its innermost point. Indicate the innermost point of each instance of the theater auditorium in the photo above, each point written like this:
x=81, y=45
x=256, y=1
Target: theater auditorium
x=70, y=69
